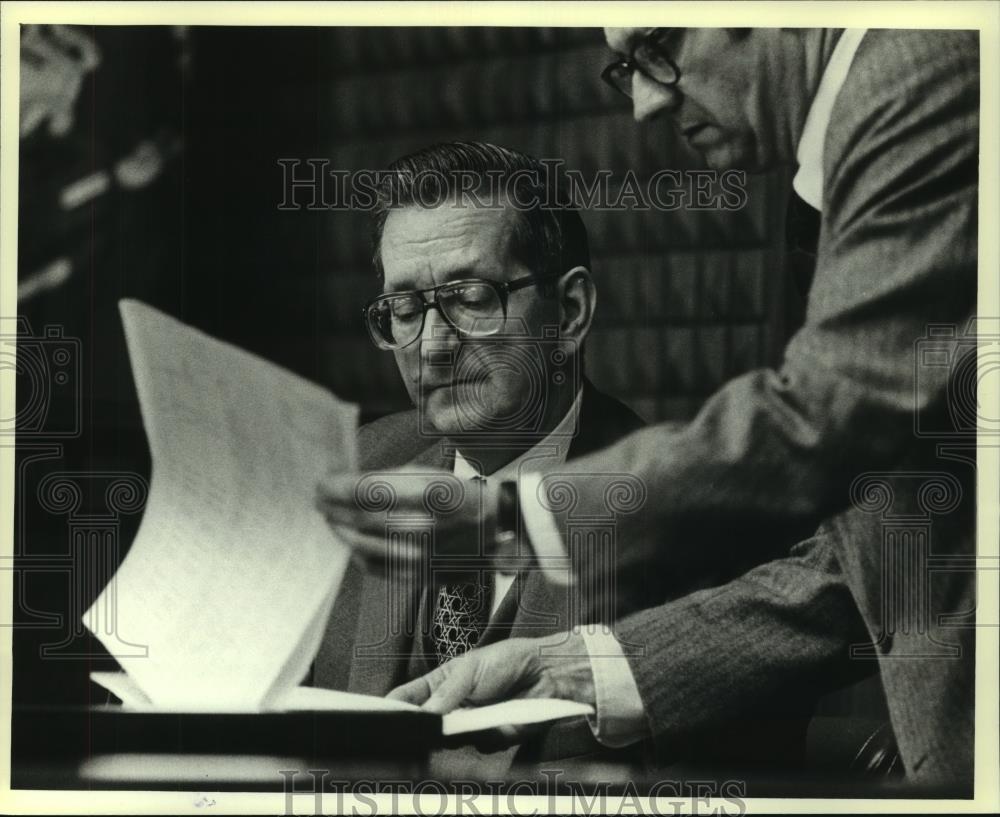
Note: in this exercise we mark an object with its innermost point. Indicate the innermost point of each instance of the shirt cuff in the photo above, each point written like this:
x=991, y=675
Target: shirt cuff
x=543, y=533
x=620, y=719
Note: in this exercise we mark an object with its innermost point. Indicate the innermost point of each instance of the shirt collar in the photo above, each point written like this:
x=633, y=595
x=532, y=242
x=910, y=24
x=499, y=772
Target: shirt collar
x=808, y=181
x=554, y=448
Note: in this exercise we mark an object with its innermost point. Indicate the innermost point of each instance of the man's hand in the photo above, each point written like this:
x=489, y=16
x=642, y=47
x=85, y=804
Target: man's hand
x=513, y=668
x=462, y=514
x=552, y=667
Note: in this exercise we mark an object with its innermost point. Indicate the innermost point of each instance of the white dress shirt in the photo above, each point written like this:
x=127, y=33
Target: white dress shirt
x=808, y=181
x=620, y=718
x=548, y=453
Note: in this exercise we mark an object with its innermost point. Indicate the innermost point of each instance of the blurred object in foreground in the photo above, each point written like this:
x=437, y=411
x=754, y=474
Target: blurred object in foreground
x=54, y=61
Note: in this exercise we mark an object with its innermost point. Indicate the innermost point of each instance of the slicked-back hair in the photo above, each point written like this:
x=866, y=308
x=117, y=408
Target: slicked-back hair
x=549, y=235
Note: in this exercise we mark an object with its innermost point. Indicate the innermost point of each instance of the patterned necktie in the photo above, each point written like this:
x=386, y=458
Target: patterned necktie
x=461, y=613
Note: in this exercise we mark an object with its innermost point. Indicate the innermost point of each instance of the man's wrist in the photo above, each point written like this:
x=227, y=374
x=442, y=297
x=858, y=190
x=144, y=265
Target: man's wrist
x=620, y=718
x=565, y=664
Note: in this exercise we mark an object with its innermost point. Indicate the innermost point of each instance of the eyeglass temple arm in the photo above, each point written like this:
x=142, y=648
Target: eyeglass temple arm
x=521, y=283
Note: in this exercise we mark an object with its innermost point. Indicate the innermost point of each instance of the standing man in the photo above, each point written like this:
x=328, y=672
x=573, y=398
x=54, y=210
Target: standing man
x=883, y=126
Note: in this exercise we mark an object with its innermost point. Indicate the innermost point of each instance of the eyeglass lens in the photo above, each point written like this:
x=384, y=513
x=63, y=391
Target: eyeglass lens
x=651, y=57
x=472, y=308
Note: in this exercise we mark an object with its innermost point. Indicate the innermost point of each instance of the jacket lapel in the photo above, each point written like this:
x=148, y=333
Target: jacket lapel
x=382, y=641
x=390, y=618
x=533, y=607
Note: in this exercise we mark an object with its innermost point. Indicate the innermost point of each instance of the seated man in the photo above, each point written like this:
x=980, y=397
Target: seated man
x=487, y=302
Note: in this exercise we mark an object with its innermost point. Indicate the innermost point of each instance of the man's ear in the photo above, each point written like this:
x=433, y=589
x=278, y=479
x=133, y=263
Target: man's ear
x=577, y=301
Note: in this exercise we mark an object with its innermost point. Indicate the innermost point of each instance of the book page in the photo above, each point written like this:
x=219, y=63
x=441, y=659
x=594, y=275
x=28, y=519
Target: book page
x=232, y=574
x=316, y=699
x=122, y=687
x=515, y=712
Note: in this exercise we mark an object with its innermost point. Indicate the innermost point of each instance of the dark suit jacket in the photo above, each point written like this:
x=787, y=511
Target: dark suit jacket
x=857, y=430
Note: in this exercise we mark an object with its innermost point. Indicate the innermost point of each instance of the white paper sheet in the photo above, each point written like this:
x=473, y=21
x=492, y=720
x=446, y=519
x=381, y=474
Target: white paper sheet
x=516, y=712
x=231, y=577
x=122, y=687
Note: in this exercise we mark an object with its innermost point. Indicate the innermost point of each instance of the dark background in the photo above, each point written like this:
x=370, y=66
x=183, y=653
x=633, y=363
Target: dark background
x=687, y=299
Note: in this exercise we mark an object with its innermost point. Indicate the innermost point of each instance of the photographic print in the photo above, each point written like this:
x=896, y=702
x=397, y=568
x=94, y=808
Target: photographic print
x=452, y=409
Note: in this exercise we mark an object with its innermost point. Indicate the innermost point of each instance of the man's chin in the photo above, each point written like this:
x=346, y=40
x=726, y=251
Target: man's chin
x=447, y=423
x=438, y=412
x=730, y=155
x=441, y=416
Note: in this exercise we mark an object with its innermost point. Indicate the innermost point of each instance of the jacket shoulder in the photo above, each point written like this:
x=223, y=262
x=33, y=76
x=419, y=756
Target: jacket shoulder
x=903, y=80
x=904, y=128
x=390, y=441
x=603, y=421
x=889, y=62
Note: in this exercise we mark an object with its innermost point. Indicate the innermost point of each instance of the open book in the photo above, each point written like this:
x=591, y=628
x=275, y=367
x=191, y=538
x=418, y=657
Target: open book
x=223, y=597
x=461, y=721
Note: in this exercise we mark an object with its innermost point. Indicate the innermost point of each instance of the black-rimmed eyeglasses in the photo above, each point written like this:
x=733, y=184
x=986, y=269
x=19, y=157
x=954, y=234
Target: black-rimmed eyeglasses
x=651, y=56
x=474, y=307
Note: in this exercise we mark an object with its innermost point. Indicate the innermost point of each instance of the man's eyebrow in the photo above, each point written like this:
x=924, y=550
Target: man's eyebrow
x=457, y=274
x=463, y=272
x=406, y=285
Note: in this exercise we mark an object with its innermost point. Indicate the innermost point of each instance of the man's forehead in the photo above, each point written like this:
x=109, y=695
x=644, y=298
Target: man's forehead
x=458, y=223
x=624, y=40
x=445, y=242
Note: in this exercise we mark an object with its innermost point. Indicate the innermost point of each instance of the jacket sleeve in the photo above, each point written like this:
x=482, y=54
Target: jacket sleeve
x=738, y=653
x=774, y=452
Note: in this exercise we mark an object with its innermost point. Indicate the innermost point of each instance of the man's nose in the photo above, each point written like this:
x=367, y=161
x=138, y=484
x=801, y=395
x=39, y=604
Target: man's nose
x=650, y=98
x=437, y=334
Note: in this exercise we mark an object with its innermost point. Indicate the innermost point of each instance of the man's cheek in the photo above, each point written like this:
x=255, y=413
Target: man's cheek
x=504, y=391
x=439, y=412
x=408, y=364
x=438, y=401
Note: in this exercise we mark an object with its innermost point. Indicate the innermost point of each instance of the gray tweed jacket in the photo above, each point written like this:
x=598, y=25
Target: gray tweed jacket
x=859, y=430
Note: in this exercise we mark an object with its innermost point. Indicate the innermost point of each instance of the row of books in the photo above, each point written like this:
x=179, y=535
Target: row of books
x=503, y=89
x=612, y=233
x=374, y=49
x=588, y=138
x=673, y=361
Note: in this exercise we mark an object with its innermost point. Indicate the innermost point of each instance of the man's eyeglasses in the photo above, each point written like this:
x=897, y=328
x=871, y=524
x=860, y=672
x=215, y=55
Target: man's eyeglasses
x=651, y=56
x=475, y=307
